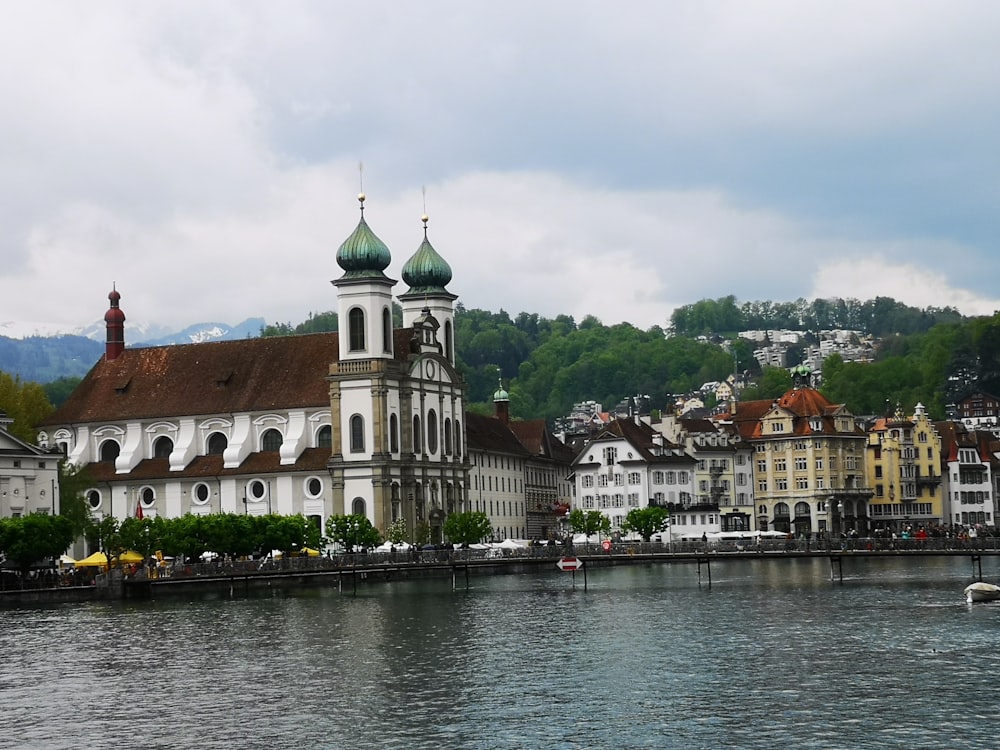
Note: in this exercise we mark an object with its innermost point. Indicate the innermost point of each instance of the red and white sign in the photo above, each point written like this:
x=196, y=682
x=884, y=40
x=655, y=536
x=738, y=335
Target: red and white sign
x=569, y=564
x=606, y=544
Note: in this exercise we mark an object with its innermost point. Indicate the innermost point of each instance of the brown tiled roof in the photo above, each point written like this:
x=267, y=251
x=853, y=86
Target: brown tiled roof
x=205, y=467
x=955, y=435
x=802, y=403
x=534, y=434
x=641, y=436
x=748, y=415
x=490, y=434
x=211, y=378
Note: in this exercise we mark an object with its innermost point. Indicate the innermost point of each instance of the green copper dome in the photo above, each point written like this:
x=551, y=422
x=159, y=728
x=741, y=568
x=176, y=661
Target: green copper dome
x=500, y=394
x=363, y=253
x=426, y=272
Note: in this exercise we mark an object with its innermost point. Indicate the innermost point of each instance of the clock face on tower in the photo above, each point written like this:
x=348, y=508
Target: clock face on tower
x=429, y=369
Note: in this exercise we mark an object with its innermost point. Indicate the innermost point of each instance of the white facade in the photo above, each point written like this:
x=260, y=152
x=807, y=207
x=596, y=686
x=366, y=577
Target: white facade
x=616, y=474
x=29, y=476
x=968, y=489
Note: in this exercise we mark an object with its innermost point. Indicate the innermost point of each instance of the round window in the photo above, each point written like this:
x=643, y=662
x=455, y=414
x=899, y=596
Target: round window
x=94, y=498
x=148, y=496
x=314, y=487
x=257, y=489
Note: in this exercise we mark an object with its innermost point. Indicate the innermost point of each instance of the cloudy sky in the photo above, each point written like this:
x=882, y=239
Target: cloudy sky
x=616, y=160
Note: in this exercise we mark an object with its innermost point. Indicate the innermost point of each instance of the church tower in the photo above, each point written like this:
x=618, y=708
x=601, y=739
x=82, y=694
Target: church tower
x=397, y=404
x=427, y=273
x=364, y=294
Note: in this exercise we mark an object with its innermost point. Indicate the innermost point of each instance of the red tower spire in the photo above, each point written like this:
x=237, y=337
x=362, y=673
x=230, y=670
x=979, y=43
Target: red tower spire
x=114, y=320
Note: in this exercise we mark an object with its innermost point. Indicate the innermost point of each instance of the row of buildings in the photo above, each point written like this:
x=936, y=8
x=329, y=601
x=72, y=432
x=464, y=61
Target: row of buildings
x=799, y=464
x=372, y=420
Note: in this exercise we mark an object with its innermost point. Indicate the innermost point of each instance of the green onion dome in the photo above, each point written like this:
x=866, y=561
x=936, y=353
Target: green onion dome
x=363, y=253
x=426, y=272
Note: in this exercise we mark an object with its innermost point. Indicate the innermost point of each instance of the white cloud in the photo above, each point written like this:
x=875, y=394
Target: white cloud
x=613, y=161
x=866, y=278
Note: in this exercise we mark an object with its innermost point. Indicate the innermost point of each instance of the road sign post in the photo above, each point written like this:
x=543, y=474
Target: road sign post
x=571, y=565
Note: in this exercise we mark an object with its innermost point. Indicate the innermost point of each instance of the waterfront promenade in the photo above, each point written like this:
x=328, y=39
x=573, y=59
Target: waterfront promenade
x=348, y=571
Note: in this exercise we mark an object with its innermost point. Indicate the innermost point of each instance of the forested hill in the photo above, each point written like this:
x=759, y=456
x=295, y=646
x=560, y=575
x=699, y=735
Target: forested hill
x=930, y=356
x=882, y=316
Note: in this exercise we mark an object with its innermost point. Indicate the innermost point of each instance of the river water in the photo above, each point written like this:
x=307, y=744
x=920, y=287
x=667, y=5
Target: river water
x=772, y=654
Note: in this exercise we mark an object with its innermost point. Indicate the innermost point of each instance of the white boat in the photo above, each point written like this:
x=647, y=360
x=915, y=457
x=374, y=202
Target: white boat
x=981, y=592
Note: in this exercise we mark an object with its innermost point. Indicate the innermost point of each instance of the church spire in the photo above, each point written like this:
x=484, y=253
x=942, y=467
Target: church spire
x=114, y=322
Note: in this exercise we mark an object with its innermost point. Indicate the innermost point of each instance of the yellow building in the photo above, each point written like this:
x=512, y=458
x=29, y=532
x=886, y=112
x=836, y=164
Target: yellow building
x=903, y=466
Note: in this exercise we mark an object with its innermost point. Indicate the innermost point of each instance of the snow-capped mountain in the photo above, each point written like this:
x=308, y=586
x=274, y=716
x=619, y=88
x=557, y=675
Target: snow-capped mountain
x=43, y=355
x=199, y=333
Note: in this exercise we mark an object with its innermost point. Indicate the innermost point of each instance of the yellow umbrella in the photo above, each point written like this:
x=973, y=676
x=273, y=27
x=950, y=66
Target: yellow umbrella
x=96, y=560
x=129, y=557
x=310, y=552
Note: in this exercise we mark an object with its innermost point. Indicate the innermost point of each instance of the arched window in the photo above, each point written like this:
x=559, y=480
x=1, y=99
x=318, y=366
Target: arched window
x=357, y=434
x=217, y=444
x=358, y=506
x=324, y=438
x=271, y=440
x=447, y=341
x=163, y=447
x=110, y=450
x=397, y=505
x=447, y=436
x=458, y=439
x=393, y=434
x=386, y=330
x=432, y=431
x=356, y=327
x=416, y=434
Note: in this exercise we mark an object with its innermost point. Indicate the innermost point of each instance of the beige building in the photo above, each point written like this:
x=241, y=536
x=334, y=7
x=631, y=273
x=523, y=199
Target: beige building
x=809, y=462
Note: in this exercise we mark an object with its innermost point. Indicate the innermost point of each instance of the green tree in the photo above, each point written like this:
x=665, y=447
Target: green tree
x=589, y=522
x=774, y=382
x=33, y=538
x=103, y=535
x=73, y=481
x=467, y=528
x=352, y=531
x=421, y=533
x=26, y=404
x=647, y=521
x=57, y=391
